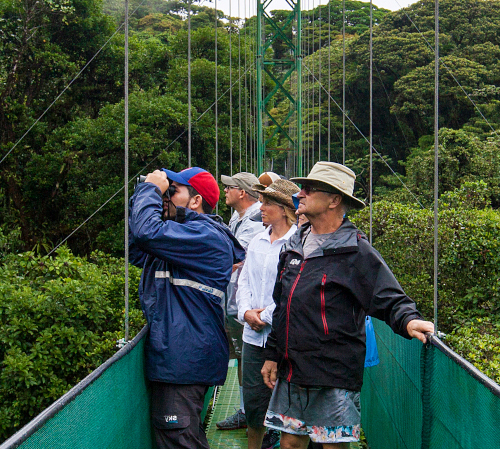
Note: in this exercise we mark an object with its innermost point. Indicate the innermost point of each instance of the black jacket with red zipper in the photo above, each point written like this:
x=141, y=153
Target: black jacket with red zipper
x=318, y=332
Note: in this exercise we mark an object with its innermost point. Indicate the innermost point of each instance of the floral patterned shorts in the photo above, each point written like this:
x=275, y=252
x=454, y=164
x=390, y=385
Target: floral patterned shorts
x=326, y=415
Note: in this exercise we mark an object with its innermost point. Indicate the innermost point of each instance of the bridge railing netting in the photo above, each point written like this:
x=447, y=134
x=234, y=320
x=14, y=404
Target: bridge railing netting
x=418, y=397
x=108, y=409
x=427, y=397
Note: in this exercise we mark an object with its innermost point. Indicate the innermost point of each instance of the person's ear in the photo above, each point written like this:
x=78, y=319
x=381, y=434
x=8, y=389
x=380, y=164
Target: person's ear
x=335, y=200
x=195, y=202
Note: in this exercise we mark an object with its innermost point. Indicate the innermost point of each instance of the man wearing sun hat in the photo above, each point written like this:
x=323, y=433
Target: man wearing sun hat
x=330, y=278
x=186, y=258
x=240, y=196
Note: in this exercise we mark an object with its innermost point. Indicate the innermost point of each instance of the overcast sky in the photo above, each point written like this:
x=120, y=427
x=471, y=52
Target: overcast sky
x=248, y=8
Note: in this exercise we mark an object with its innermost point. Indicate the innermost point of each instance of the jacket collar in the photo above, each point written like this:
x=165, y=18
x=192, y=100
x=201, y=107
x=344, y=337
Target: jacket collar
x=183, y=215
x=344, y=239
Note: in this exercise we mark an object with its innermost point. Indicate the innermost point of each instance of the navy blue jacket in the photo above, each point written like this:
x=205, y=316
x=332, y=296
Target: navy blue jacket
x=187, y=265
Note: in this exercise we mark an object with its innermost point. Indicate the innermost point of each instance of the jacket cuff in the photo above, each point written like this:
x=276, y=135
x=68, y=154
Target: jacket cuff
x=270, y=353
x=404, y=331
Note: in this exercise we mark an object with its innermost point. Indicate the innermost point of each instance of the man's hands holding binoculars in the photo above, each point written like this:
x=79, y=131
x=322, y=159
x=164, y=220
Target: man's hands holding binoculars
x=159, y=178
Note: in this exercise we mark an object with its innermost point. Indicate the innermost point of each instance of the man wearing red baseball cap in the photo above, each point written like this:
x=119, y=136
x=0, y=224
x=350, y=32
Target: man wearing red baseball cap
x=186, y=258
x=195, y=189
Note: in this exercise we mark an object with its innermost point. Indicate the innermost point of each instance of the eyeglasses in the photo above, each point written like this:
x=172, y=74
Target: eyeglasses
x=230, y=187
x=308, y=189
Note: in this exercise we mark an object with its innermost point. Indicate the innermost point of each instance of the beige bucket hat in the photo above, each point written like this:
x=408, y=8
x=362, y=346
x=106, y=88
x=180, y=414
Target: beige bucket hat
x=280, y=191
x=334, y=175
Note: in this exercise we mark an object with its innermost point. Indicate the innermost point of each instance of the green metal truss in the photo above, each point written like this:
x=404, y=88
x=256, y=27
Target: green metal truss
x=267, y=67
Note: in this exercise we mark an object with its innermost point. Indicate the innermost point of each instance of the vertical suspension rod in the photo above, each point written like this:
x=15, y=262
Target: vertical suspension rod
x=371, y=122
x=230, y=91
x=436, y=159
x=260, y=68
x=189, y=83
x=126, y=179
x=343, y=82
x=216, y=109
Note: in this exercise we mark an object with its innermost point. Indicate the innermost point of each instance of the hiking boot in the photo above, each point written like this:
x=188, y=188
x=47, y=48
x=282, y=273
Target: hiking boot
x=233, y=422
x=271, y=439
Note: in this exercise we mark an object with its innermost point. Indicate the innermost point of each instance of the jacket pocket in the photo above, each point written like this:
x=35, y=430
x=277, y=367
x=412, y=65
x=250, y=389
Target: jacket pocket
x=323, y=305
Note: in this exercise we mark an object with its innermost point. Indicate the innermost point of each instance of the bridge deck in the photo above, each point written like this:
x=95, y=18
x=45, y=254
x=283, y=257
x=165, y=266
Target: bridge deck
x=226, y=403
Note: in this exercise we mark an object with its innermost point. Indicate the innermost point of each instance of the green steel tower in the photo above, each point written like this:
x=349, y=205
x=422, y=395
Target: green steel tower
x=279, y=72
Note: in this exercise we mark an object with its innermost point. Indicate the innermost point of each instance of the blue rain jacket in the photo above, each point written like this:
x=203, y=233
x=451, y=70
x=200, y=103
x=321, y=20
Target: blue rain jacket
x=187, y=266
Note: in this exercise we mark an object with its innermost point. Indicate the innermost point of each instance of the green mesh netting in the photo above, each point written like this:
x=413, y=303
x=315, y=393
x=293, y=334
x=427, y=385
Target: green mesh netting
x=112, y=412
x=419, y=397
x=107, y=410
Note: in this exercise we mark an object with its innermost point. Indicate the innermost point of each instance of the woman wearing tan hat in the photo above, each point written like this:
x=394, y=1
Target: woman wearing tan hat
x=255, y=301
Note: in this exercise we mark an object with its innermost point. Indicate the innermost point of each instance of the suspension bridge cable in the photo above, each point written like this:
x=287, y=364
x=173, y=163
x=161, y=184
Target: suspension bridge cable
x=450, y=72
x=312, y=87
x=253, y=88
x=230, y=94
x=255, y=107
x=189, y=83
x=319, y=86
x=216, y=110
x=126, y=175
x=371, y=122
x=239, y=84
x=329, y=74
x=141, y=171
x=249, y=108
x=246, y=96
x=390, y=103
x=68, y=85
x=343, y=82
x=436, y=159
x=308, y=98
x=374, y=149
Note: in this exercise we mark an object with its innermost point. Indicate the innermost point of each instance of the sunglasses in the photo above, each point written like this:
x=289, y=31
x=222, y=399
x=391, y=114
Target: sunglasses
x=308, y=189
x=230, y=187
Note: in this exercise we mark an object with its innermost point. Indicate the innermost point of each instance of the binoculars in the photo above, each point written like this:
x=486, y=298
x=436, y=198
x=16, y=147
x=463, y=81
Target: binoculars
x=170, y=191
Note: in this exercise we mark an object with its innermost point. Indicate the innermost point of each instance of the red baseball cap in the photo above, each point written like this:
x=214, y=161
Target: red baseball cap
x=202, y=181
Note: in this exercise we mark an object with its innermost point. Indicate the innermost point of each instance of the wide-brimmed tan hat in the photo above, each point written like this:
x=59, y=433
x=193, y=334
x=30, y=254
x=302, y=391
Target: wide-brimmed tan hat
x=243, y=180
x=335, y=175
x=280, y=191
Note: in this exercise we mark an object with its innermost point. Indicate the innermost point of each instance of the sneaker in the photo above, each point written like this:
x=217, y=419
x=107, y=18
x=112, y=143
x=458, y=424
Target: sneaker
x=271, y=439
x=233, y=422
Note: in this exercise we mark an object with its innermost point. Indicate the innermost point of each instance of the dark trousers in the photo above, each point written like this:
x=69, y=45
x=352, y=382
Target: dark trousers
x=176, y=415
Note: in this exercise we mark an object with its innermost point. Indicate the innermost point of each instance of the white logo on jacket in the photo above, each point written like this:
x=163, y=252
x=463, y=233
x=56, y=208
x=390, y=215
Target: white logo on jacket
x=295, y=262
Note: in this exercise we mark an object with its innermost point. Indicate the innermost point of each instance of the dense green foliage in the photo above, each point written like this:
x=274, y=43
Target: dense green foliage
x=60, y=318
